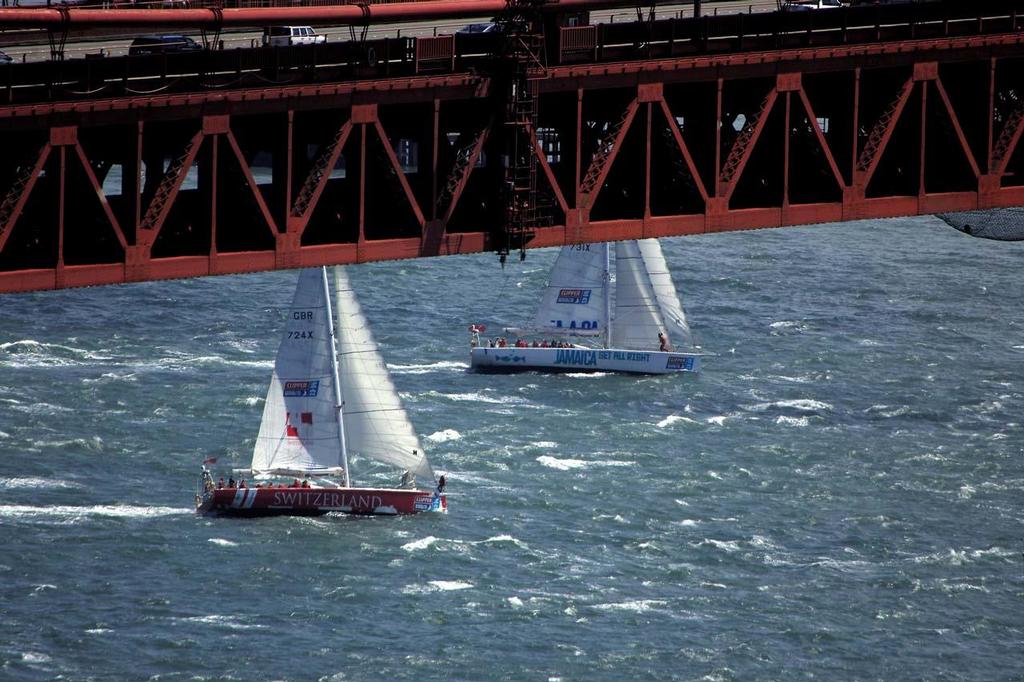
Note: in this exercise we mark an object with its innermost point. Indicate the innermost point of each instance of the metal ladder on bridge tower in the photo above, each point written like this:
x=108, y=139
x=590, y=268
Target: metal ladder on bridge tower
x=524, y=50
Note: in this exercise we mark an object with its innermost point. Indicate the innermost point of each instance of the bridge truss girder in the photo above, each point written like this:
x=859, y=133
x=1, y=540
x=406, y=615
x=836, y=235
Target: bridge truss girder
x=213, y=183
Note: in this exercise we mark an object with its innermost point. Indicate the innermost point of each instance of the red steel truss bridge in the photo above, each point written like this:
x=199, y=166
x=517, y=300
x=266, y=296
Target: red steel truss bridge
x=552, y=130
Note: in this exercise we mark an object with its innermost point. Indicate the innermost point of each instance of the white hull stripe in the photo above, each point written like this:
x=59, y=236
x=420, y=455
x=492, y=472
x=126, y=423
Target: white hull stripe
x=244, y=497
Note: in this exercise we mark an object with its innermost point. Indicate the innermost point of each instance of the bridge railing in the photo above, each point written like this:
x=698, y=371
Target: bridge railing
x=131, y=75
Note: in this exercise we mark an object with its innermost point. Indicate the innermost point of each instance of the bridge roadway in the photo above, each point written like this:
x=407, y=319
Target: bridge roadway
x=26, y=46
x=134, y=168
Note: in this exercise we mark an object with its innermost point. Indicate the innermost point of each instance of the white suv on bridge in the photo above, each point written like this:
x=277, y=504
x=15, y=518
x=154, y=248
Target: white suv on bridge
x=283, y=36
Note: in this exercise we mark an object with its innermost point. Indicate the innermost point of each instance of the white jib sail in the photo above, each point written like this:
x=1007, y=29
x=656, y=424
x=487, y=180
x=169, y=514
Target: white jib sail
x=574, y=300
x=677, y=328
x=299, y=430
x=637, y=319
x=376, y=425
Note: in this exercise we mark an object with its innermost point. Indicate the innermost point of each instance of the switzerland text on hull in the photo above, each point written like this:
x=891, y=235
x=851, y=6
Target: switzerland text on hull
x=581, y=360
x=319, y=501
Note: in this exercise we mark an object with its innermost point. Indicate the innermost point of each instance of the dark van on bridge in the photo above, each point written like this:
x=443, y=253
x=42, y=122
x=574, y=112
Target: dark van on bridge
x=162, y=44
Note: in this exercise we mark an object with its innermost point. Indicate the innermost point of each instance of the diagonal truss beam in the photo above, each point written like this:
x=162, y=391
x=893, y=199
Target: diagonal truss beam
x=459, y=177
x=542, y=159
x=167, y=192
x=743, y=147
x=956, y=126
x=881, y=133
x=14, y=202
x=1005, y=145
x=678, y=135
x=95, y=183
x=821, y=138
x=604, y=157
x=313, y=186
x=390, y=151
x=256, y=193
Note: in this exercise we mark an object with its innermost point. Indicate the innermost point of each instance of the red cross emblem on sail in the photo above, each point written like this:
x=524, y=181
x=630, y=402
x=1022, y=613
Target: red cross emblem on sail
x=290, y=429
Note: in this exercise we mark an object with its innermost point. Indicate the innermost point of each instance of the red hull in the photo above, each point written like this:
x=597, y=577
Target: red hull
x=318, y=501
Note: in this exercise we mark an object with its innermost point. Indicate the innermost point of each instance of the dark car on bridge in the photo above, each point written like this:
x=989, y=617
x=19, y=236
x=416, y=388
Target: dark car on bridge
x=5, y=58
x=163, y=44
x=487, y=27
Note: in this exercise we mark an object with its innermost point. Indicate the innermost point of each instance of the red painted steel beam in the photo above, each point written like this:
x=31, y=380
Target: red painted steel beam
x=425, y=10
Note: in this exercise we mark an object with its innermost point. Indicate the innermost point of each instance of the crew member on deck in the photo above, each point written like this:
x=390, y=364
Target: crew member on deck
x=663, y=341
x=440, y=484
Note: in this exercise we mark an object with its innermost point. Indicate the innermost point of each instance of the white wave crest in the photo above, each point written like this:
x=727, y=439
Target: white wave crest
x=544, y=444
x=31, y=353
x=447, y=365
x=792, y=421
x=567, y=464
x=479, y=398
x=417, y=545
x=636, y=605
x=221, y=542
x=218, y=360
x=672, y=419
x=501, y=539
x=229, y=622
x=798, y=404
x=724, y=545
x=437, y=586
x=444, y=436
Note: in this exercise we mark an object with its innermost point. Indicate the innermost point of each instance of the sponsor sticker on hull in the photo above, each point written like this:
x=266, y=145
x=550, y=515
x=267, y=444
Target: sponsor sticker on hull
x=681, y=362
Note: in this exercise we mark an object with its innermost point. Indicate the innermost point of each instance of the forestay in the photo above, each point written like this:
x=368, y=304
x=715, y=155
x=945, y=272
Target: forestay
x=376, y=424
x=299, y=430
x=575, y=298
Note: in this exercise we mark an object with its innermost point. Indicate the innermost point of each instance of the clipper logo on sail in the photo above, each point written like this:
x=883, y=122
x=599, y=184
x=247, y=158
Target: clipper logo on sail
x=301, y=389
x=580, y=296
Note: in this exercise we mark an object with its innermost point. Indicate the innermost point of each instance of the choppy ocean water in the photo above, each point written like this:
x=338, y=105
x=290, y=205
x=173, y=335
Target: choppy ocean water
x=838, y=495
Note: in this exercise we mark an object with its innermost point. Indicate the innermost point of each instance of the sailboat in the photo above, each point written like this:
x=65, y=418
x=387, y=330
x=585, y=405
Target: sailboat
x=330, y=396
x=632, y=324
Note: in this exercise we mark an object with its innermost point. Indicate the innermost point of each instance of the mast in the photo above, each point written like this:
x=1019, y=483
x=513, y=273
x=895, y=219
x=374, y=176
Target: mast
x=607, y=296
x=337, y=382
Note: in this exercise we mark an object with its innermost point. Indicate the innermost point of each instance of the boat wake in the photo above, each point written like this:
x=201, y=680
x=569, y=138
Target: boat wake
x=74, y=514
x=35, y=482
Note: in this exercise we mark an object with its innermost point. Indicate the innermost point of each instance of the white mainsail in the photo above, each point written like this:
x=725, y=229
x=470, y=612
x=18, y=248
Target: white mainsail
x=376, y=424
x=676, y=326
x=637, y=318
x=299, y=429
x=575, y=298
